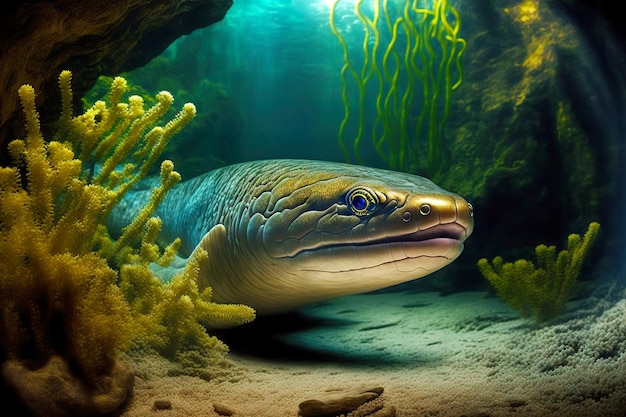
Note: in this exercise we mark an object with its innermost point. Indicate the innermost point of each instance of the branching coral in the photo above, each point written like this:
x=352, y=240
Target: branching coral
x=540, y=290
x=58, y=295
x=59, y=292
x=170, y=318
x=413, y=77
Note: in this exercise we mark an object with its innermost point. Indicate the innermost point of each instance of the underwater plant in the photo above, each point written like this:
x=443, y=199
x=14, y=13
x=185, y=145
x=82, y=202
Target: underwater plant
x=412, y=78
x=540, y=290
x=217, y=121
x=60, y=291
x=58, y=296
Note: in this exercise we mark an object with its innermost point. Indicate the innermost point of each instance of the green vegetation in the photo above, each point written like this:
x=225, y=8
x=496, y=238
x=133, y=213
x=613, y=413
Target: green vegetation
x=412, y=78
x=540, y=290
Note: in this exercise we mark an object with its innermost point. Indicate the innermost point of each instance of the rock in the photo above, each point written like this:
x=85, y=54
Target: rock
x=88, y=37
x=53, y=391
x=162, y=405
x=223, y=410
x=335, y=402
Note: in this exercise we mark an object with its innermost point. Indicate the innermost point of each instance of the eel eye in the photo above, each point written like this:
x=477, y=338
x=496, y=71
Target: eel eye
x=362, y=201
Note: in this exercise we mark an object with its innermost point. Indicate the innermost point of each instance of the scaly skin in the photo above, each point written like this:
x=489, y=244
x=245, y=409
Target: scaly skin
x=285, y=233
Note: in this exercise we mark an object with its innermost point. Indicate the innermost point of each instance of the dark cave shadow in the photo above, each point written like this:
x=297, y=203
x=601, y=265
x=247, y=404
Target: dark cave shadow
x=264, y=339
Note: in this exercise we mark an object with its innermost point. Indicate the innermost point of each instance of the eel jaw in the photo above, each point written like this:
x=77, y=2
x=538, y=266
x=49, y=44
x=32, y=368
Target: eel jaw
x=397, y=259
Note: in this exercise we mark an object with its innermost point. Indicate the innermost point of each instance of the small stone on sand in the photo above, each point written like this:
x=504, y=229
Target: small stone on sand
x=334, y=402
x=223, y=410
x=162, y=405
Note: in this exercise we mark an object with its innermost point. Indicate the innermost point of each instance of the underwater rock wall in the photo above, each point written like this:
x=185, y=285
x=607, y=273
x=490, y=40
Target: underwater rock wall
x=535, y=133
x=90, y=38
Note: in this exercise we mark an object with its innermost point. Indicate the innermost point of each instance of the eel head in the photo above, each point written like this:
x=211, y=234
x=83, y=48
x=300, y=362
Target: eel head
x=307, y=237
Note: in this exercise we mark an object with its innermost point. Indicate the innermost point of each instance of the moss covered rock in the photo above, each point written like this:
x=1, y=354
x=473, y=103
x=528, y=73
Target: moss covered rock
x=88, y=37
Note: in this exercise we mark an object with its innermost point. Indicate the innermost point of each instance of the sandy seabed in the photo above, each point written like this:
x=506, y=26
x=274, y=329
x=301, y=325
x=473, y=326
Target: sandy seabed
x=465, y=354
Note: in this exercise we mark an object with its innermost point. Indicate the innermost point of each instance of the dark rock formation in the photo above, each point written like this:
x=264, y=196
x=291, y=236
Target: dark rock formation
x=38, y=39
x=54, y=391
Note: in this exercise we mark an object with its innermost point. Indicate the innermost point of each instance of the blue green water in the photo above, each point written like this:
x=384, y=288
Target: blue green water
x=279, y=62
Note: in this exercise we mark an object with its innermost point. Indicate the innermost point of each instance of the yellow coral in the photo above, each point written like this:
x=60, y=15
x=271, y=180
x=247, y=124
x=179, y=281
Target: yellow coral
x=58, y=296
x=172, y=318
x=540, y=290
x=58, y=292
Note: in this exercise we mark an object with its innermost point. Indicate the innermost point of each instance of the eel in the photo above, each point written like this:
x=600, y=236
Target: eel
x=282, y=234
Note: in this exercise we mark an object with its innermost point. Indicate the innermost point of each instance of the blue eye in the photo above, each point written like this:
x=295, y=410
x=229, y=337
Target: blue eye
x=359, y=202
x=362, y=201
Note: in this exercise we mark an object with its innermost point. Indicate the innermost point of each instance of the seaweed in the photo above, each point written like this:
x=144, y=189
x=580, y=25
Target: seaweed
x=542, y=289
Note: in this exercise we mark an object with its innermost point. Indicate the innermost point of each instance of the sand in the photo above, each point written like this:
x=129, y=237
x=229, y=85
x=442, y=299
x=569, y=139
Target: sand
x=466, y=354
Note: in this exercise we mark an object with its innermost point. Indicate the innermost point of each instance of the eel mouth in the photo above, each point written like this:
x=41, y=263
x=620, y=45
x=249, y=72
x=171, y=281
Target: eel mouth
x=448, y=231
x=442, y=231
x=424, y=250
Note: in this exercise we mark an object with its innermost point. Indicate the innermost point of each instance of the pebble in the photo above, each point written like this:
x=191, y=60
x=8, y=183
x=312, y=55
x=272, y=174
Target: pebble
x=223, y=410
x=335, y=402
x=162, y=405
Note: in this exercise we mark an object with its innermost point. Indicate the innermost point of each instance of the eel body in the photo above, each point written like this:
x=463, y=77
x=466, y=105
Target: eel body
x=282, y=234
